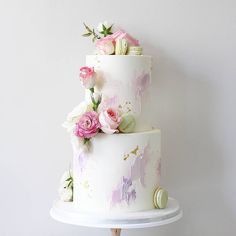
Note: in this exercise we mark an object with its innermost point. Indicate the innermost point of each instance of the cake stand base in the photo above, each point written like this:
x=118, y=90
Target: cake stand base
x=66, y=212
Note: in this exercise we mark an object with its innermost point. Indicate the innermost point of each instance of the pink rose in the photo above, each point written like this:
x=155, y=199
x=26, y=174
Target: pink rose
x=109, y=120
x=105, y=46
x=88, y=125
x=87, y=77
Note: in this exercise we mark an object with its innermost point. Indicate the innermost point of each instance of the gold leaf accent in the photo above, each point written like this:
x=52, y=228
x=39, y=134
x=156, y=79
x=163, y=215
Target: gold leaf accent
x=135, y=151
x=126, y=156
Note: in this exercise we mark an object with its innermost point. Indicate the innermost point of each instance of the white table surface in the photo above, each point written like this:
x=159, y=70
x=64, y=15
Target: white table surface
x=65, y=212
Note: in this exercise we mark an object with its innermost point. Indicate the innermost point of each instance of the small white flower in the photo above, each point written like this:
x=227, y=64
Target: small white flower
x=97, y=97
x=77, y=112
x=105, y=23
x=66, y=194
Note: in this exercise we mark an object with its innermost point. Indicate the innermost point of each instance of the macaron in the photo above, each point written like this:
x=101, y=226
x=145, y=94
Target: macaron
x=135, y=50
x=127, y=124
x=121, y=47
x=160, y=198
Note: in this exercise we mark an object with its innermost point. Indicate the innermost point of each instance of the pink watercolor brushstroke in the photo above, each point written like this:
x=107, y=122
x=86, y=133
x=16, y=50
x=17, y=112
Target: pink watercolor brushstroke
x=141, y=84
x=159, y=168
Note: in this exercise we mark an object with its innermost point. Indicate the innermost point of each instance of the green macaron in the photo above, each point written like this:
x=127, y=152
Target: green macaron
x=135, y=50
x=121, y=47
x=160, y=198
x=127, y=124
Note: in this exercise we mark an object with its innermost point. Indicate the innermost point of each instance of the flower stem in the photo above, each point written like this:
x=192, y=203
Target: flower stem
x=95, y=106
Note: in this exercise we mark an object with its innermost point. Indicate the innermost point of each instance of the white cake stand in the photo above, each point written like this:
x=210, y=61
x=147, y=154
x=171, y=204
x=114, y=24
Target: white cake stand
x=66, y=213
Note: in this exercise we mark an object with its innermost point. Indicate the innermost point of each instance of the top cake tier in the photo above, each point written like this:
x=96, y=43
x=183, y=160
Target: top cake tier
x=124, y=82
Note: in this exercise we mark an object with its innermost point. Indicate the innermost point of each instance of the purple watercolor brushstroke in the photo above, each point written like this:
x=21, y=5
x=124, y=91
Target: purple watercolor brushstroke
x=139, y=167
x=123, y=192
x=81, y=161
x=127, y=195
x=116, y=196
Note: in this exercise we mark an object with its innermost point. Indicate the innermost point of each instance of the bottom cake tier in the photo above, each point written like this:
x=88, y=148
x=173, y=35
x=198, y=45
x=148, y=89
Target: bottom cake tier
x=119, y=172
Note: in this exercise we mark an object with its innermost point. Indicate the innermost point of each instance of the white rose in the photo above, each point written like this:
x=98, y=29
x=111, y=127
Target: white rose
x=66, y=194
x=105, y=23
x=77, y=112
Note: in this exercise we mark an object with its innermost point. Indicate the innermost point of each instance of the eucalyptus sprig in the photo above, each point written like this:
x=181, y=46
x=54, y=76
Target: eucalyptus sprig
x=91, y=32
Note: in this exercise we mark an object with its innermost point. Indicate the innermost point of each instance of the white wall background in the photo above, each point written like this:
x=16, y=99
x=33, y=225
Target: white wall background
x=193, y=45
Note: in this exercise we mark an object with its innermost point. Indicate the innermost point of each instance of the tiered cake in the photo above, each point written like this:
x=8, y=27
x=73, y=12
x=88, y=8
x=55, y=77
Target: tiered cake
x=117, y=160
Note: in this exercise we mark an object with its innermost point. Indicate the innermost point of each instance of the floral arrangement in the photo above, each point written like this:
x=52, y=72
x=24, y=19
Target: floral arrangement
x=90, y=118
x=93, y=117
x=108, y=42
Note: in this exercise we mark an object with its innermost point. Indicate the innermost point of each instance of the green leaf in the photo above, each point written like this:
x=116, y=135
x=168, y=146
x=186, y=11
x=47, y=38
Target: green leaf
x=87, y=28
x=103, y=27
x=68, y=179
x=70, y=184
x=109, y=29
x=86, y=34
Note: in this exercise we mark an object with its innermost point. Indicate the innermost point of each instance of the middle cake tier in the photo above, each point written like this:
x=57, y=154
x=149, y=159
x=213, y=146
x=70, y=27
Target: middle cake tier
x=119, y=172
x=124, y=82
